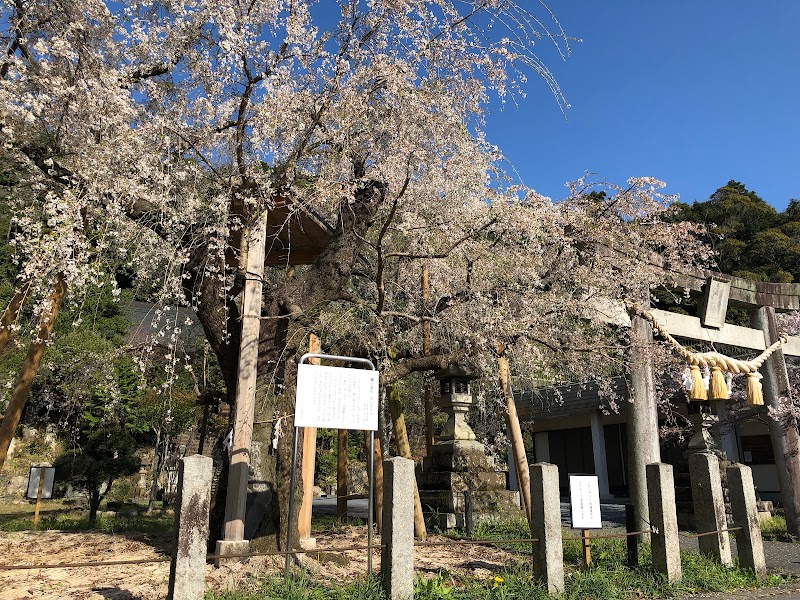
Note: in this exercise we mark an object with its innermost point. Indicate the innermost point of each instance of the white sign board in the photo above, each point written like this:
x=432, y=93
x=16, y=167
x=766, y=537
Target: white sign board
x=336, y=398
x=33, y=482
x=584, y=497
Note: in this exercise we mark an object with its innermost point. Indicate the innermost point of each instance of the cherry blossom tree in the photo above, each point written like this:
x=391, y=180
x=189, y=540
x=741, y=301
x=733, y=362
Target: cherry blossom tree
x=153, y=136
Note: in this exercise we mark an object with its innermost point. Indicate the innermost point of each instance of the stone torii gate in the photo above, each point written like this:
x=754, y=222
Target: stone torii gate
x=717, y=293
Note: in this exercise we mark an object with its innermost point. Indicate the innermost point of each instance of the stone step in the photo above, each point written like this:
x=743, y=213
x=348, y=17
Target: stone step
x=458, y=520
x=444, y=480
x=459, y=457
x=482, y=500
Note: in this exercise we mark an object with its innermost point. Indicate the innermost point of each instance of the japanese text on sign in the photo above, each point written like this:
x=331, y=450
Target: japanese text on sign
x=584, y=496
x=336, y=398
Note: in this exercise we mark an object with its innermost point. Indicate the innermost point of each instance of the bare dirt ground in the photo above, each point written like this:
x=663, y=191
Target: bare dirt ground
x=150, y=580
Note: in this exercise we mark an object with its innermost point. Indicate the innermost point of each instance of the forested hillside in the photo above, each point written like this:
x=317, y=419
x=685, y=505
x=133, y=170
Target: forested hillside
x=751, y=238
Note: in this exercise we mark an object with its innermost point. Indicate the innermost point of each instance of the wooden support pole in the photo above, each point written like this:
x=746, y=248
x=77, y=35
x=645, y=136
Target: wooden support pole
x=39, y=496
x=404, y=450
x=206, y=408
x=11, y=313
x=22, y=387
x=515, y=432
x=239, y=471
x=341, y=474
x=587, y=548
x=309, y=459
x=426, y=351
x=377, y=463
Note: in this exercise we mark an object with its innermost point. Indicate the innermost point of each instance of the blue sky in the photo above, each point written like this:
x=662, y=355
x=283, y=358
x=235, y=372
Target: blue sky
x=693, y=93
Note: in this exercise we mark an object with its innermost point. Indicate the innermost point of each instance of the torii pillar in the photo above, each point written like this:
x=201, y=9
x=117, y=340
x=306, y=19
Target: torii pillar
x=642, y=426
x=785, y=440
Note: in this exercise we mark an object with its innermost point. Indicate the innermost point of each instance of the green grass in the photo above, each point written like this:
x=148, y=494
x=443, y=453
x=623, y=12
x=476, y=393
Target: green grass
x=608, y=578
x=303, y=588
x=75, y=520
x=774, y=528
x=333, y=524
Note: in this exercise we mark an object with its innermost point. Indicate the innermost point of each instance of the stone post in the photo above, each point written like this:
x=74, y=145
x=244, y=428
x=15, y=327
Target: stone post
x=745, y=515
x=709, y=506
x=785, y=441
x=188, y=568
x=664, y=521
x=548, y=552
x=397, y=536
x=643, y=447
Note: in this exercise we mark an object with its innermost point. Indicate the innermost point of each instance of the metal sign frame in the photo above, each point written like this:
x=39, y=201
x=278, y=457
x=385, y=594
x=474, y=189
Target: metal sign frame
x=35, y=481
x=370, y=462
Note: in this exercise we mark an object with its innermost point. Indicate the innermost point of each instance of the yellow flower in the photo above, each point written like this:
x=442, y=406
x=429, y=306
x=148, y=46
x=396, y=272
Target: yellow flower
x=498, y=581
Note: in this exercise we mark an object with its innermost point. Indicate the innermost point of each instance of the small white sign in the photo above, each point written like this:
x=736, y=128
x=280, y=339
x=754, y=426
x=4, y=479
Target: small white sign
x=336, y=398
x=748, y=456
x=33, y=482
x=584, y=496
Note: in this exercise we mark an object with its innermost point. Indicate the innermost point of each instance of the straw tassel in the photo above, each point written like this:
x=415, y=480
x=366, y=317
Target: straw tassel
x=755, y=397
x=718, y=390
x=698, y=389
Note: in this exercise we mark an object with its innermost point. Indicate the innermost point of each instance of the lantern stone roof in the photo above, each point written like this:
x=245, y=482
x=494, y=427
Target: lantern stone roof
x=455, y=370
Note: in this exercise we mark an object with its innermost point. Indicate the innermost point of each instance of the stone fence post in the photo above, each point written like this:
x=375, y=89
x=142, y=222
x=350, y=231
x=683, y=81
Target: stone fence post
x=664, y=521
x=187, y=571
x=709, y=506
x=745, y=515
x=548, y=552
x=397, y=535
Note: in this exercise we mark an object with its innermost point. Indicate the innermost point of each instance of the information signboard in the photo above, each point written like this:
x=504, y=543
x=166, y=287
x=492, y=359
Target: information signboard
x=336, y=398
x=33, y=482
x=584, y=496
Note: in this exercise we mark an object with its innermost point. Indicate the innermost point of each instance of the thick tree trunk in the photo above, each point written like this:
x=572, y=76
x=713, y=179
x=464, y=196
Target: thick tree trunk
x=514, y=430
x=404, y=450
x=94, y=504
x=11, y=313
x=30, y=366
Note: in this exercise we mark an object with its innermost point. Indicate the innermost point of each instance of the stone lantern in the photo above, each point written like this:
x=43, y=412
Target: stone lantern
x=457, y=467
x=455, y=401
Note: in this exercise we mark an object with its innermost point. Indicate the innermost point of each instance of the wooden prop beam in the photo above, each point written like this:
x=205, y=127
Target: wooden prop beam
x=404, y=450
x=239, y=471
x=426, y=351
x=515, y=432
x=341, y=474
x=309, y=458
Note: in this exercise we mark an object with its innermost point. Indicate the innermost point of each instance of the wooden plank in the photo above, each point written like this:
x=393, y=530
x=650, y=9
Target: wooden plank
x=239, y=470
x=309, y=458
